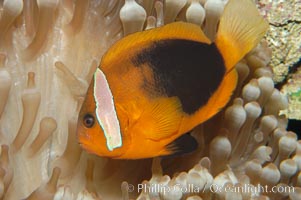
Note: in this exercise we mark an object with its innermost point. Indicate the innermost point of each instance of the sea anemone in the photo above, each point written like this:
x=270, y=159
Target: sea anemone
x=49, y=50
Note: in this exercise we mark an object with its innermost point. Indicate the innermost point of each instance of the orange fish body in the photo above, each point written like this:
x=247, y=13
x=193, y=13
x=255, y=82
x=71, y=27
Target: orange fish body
x=154, y=86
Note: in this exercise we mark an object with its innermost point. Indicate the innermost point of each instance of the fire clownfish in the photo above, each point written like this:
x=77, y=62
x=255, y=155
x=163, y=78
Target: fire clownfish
x=153, y=87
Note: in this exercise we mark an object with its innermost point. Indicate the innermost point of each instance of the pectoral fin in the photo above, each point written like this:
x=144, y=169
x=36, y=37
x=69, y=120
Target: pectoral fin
x=161, y=119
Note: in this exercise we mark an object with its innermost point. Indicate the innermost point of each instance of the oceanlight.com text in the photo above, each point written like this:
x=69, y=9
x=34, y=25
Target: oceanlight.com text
x=213, y=188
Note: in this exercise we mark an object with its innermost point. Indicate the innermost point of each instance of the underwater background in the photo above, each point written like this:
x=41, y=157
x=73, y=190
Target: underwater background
x=49, y=50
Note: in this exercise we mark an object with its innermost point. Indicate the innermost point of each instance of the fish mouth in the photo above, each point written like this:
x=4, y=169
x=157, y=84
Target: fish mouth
x=84, y=140
x=88, y=144
x=85, y=145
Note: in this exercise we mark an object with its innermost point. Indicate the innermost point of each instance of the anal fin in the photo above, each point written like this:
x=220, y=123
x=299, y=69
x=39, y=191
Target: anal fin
x=182, y=145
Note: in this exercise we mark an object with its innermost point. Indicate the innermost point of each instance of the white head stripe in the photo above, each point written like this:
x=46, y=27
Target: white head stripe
x=105, y=111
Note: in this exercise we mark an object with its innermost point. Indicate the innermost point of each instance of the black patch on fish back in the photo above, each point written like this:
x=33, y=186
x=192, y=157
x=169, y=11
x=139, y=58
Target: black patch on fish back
x=190, y=70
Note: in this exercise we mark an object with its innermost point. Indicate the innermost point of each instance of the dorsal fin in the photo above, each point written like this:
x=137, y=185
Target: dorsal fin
x=176, y=30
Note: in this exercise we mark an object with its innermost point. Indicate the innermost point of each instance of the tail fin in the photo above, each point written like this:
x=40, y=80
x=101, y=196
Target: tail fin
x=241, y=28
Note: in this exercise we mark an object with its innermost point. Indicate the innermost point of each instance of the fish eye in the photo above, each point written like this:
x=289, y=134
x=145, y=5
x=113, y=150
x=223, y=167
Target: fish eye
x=88, y=120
